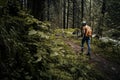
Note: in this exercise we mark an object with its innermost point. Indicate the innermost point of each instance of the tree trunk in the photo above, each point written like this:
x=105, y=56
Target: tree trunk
x=73, y=14
x=82, y=10
x=64, y=15
x=68, y=13
x=48, y=10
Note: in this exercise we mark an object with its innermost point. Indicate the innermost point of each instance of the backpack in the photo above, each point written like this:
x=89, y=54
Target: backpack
x=88, y=31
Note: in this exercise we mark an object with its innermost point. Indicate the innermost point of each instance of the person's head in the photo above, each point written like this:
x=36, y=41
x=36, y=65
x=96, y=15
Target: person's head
x=84, y=23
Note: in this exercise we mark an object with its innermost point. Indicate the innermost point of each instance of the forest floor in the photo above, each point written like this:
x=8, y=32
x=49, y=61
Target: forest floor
x=109, y=69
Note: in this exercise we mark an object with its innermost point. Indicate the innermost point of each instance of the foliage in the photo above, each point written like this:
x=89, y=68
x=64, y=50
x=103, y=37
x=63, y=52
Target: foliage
x=113, y=8
x=19, y=47
x=109, y=49
x=112, y=17
x=3, y=2
x=30, y=50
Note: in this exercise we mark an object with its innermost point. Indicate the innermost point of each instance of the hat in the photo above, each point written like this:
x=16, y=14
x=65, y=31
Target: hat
x=84, y=22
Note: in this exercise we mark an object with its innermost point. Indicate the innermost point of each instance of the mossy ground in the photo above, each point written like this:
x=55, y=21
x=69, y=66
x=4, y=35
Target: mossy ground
x=100, y=62
x=32, y=50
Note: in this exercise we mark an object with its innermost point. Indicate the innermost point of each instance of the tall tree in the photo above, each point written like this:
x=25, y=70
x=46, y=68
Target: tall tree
x=24, y=4
x=48, y=10
x=103, y=7
x=68, y=6
x=103, y=10
x=73, y=13
x=82, y=10
x=64, y=15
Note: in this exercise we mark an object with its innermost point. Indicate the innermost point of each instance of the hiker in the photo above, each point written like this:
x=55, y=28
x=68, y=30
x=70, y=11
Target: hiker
x=86, y=33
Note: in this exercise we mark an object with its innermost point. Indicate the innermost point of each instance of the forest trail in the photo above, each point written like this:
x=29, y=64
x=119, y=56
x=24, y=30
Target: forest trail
x=110, y=70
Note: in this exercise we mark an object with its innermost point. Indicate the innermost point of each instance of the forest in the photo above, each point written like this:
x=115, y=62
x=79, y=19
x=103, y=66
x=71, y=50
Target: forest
x=41, y=40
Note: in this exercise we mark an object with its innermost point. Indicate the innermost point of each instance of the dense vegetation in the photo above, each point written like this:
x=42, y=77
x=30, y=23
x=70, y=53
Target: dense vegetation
x=31, y=49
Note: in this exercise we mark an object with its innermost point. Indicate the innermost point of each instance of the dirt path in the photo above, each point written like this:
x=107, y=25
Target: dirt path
x=109, y=69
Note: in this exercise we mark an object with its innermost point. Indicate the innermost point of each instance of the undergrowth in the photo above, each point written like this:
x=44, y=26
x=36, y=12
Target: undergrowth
x=109, y=50
x=32, y=50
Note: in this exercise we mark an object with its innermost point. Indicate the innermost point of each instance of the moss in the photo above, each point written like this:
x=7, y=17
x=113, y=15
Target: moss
x=33, y=52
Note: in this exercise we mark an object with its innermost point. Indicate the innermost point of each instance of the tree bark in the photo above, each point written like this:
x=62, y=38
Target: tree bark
x=73, y=14
x=82, y=10
x=48, y=10
x=64, y=15
x=68, y=13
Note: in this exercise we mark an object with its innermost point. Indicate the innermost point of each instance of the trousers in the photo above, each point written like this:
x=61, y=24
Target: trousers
x=87, y=40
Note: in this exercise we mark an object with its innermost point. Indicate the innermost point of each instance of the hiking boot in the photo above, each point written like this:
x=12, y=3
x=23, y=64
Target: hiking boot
x=82, y=50
x=88, y=54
